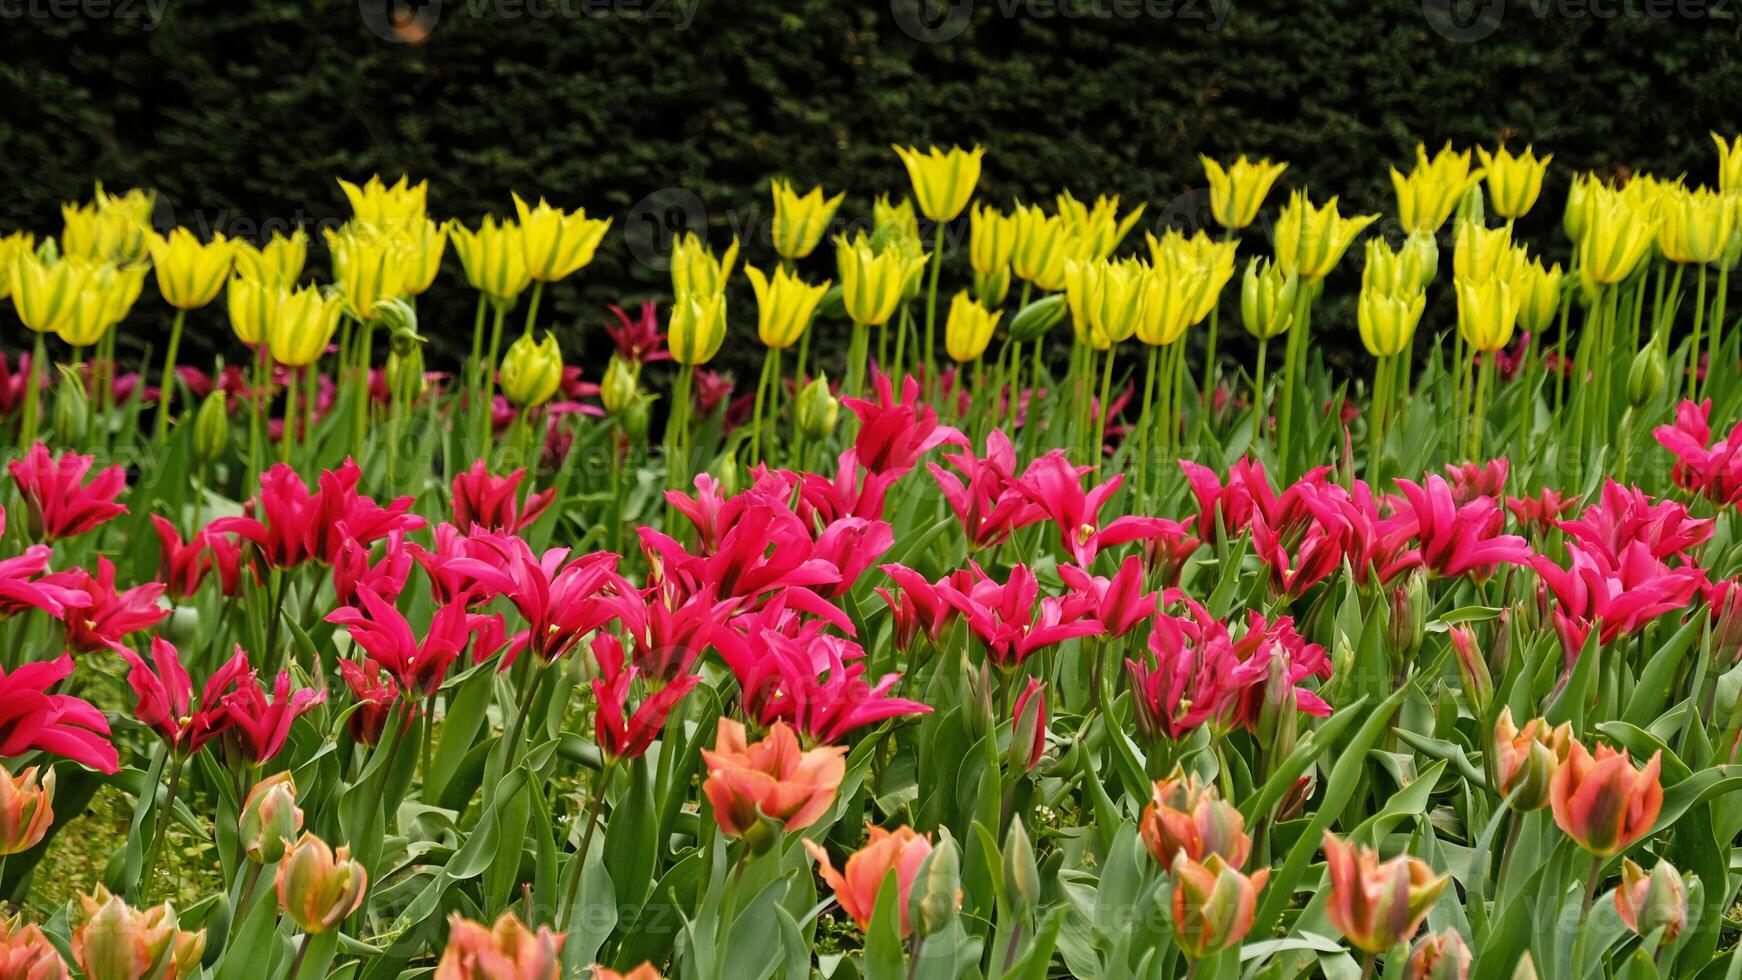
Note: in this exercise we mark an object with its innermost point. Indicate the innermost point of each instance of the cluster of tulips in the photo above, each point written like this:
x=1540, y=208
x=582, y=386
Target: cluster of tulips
x=957, y=647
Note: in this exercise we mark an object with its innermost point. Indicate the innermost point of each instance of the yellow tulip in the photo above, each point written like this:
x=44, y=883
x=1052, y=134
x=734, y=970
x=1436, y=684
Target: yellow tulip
x=1169, y=298
x=1729, y=163
x=531, y=372
x=384, y=207
x=1487, y=313
x=11, y=247
x=785, y=305
x=278, y=262
x=1387, y=320
x=1200, y=259
x=968, y=329
x=189, y=272
x=1696, y=226
x=695, y=269
x=992, y=287
x=697, y=327
x=493, y=257
x=1426, y=197
x=557, y=243
x=1043, y=245
x=1539, y=294
x=252, y=305
x=368, y=267
x=46, y=291
x=800, y=220
x=893, y=219
x=1617, y=236
x=423, y=243
x=1573, y=215
x=1310, y=240
x=1098, y=229
x=1104, y=297
x=1406, y=270
x=1479, y=253
x=298, y=332
x=105, y=231
x=108, y=295
x=991, y=239
x=942, y=182
x=1267, y=295
x=1514, y=182
x=1238, y=191
x=872, y=283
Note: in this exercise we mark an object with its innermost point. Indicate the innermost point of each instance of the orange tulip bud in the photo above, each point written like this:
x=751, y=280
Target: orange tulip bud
x=1187, y=816
x=506, y=951
x=771, y=778
x=118, y=942
x=318, y=887
x=1647, y=903
x=1527, y=760
x=1213, y=904
x=26, y=809
x=270, y=818
x=901, y=851
x=26, y=954
x=1439, y=955
x=1602, y=802
x=1378, y=905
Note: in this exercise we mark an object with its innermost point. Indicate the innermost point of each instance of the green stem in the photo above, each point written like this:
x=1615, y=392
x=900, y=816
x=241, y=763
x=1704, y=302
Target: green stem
x=756, y=416
x=1258, y=406
x=1716, y=344
x=597, y=804
x=1694, y=347
x=288, y=443
x=1097, y=450
x=931, y=304
x=532, y=305
x=32, y=395
x=161, y=832
x=166, y=378
x=486, y=407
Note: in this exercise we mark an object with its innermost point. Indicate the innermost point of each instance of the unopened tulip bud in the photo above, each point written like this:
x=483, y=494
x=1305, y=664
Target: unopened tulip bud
x=72, y=411
x=1527, y=760
x=1478, y=683
x=937, y=891
x=1278, y=717
x=318, y=887
x=1213, y=904
x=26, y=809
x=1033, y=321
x=1439, y=955
x=978, y=714
x=728, y=475
x=637, y=417
x=991, y=288
x=618, y=388
x=1645, y=377
x=817, y=410
x=270, y=819
x=1028, y=728
x=212, y=428
x=531, y=371
x=1021, y=873
x=1647, y=903
x=1409, y=614
x=1602, y=802
x=1188, y=816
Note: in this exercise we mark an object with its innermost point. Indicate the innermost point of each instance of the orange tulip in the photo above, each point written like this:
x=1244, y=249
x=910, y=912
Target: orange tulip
x=26, y=954
x=901, y=851
x=119, y=942
x=1602, y=802
x=26, y=809
x=318, y=887
x=1187, y=816
x=771, y=778
x=643, y=972
x=1528, y=758
x=1374, y=905
x=1647, y=903
x=1439, y=955
x=1213, y=904
x=506, y=951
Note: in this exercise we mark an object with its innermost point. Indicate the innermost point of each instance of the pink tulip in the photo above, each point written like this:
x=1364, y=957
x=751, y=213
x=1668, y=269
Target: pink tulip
x=59, y=502
x=32, y=719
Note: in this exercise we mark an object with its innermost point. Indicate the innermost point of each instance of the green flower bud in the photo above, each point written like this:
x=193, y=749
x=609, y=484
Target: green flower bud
x=212, y=428
x=1645, y=377
x=617, y=390
x=1034, y=320
x=932, y=906
x=817, y=410
x=531, y=371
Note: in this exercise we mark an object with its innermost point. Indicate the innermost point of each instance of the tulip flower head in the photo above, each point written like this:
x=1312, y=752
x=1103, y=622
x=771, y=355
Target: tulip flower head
x=1387, y=321
x=493, y=257
x=991, y=239
x=1487, y=314
x=104, y=300
x=1439, y=955
x=800, y=220
x=114, y=230
x=1526, y=760
x=26, y=808
x=1514, y=182
x=1616, y=235
x=697, y=328
x=900, y=852
x=785, y=305
x=59, y=501
x=26, y=953
x=1426, y=197
x=17, y=245
x=1697, y=226
x=1213, y=904
x=317, y=886
x=942, y=182
x=1097, y=229
x=303, y=325
x=772, y=778
x=387, y=206
x=189, y=272
x=1601, y=801
x=1311, y=239
x=1237, y=191
x=46, y=288
x=32, y=719
x=482, y=500
x=968, y=328
x=1104, y=297
x=557, y=243
x=1539, y=294
x=369, y=267
x=507, y=950
x=1729, y=163
x=1377, y=905
x=696, y=269
x=1267, y=297
x=1187, y=816
x=278, y=263
x=119, y=942
x=270, y=819
x=873, y=283
x=1654, y=903
x=1044, y=244
x=531, y=371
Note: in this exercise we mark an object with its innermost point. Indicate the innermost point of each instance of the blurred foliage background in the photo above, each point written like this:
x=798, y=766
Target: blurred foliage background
x=667, y=113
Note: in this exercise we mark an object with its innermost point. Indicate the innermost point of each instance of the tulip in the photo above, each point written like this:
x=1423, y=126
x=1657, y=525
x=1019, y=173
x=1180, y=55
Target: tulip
x=1514, y=182
x=1267, y=298
x=1487, y=314
x=942, y=182
x=1439, y=955
x=60, y=724
x=1204, y=262
x=1310, y=240
x=1648, y=903
x=1387, y=321
x=26, y=809
x=697, y=328
x=1103, y=296
x=1729, y=163
x=1478, y=681
x=318, y=887
x=557, y=243
x=1573, y=213
x=1213, y=904
x=900, y=852
x=118, y=942
x=46, y=291
x=871, y=282
x=279, y=262
x=772, y=778
x=1168, y=298
x=253, y=305
x=107, y=231
x=1186, y=816
x=643, y=972
x=1043, y=246
x=494, y=258
x=59, y=502
x=303, y=326
x=1539, y=295
x=785, y=305
x=1645, y=376
x=1237, y=191
x=507, y=950
x=1480, y=253
x=420, y=255
x=27, y=954
x=1097, y=229
x=189, y=273
x=1601, y=801
x=1028, y=726
x=12, y=247
x=1696, y=226
x=104, y=301
x=387, y=207
x=1377, y=905
x=1426, y=197
x=800, y=220
x=368, y=267
x=893, y=219
x=968, y=328
x=532, y=371
x=270, y=819
x=1407, y=270
x=1616, y=236
x=817, y=410
x=991, y=240
x=695, y=268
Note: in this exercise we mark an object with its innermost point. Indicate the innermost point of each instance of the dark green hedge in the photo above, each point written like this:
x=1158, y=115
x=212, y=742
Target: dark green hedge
x=241, y=111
